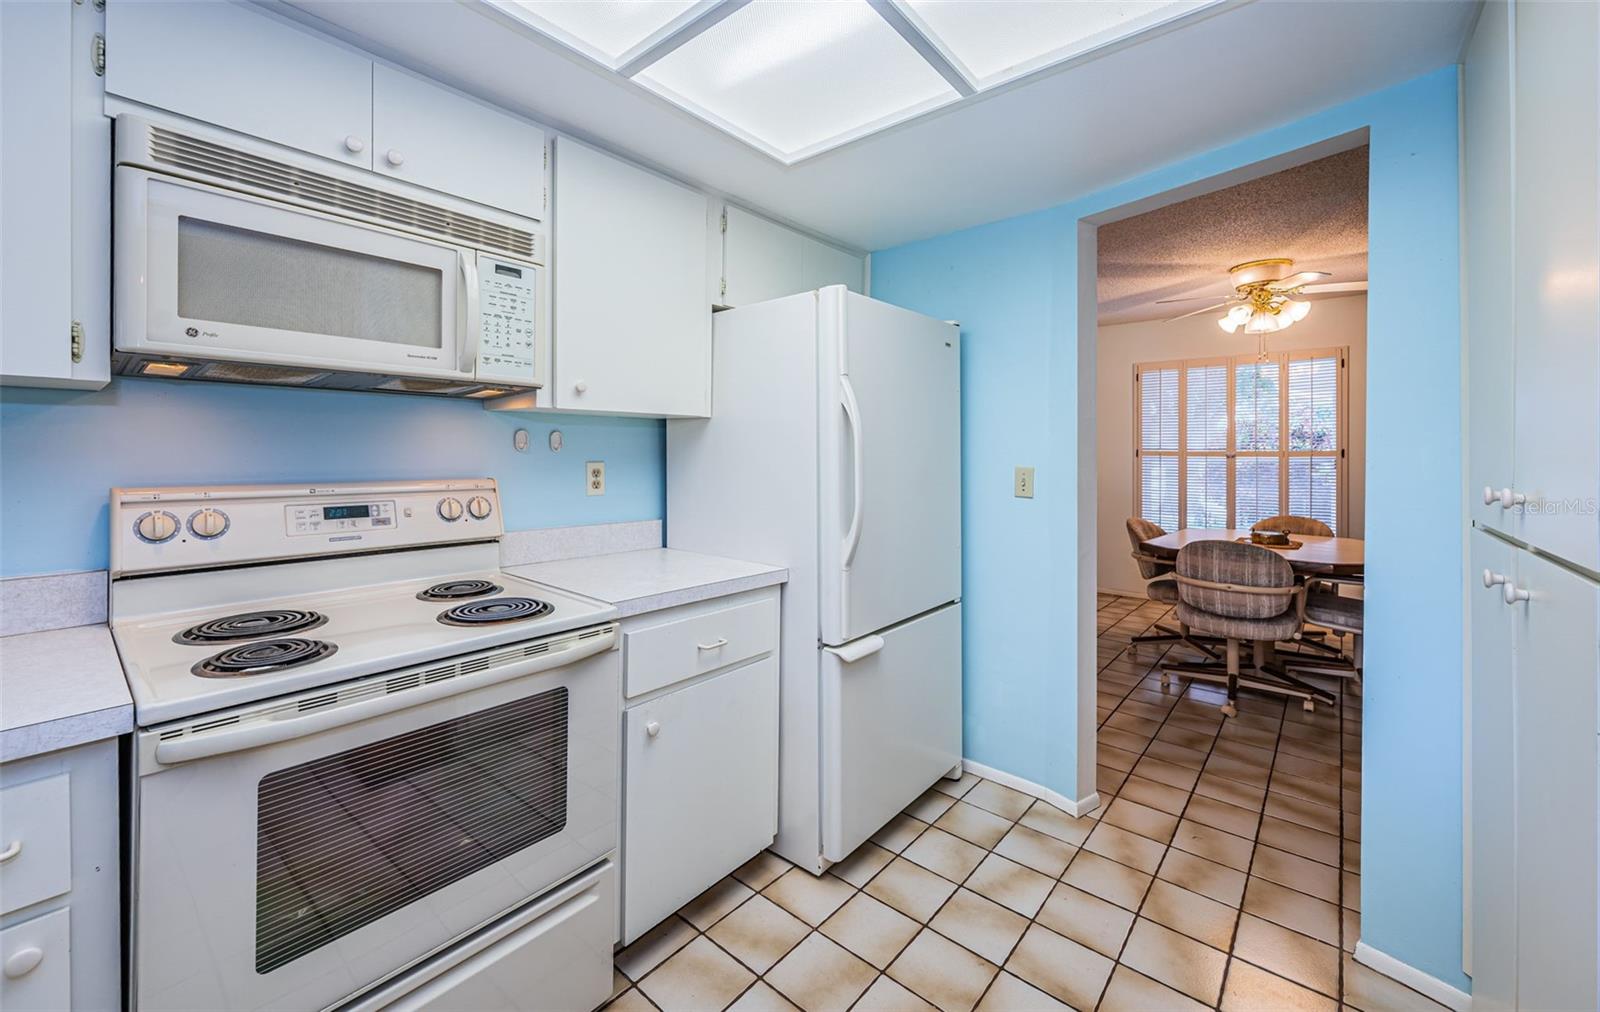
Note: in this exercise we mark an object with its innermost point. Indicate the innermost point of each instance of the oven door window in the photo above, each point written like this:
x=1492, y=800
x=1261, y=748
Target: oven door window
x=343, y=840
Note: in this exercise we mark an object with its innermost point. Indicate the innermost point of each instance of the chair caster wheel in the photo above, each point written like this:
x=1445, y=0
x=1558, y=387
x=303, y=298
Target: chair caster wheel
x=1308, y=706
x=1229, y=710
x=1166, y=678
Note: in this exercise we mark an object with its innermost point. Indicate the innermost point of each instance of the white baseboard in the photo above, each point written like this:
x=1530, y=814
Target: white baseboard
x=1415, y=979
x=1082, y=806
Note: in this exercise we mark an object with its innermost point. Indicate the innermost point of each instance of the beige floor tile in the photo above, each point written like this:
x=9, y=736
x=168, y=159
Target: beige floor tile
x=812, y=898
x=1176, y=754
x=1124, y=847
x=759, y=933
x=1303, y=813
x=1252, y=989
x=866, y=861
x=1151, y=823
x=871, y=929
x=898, y=833
x=655, y=945
x=1175, y=960
x=1221, y=815
x=697, y=977
x=1001, y=800
x=930, y=805
x=1371, y=991
x=1190, y=913
x=1111, y=757
x=1009, y=993
x=1296, y=872
x=1309, y=790
x=942, y=972
x=1167, y=773
x=1185, y=737
x=715, y=903
x=1297, y=839
x=887, y=996
x=1213, y=845
x=1128, y=741
x=950, y=856
x=1286, y=953
x=630, y=1001
x=1230, y=791
x=1154, y=795
x=1086, y=919
x=821, y=976
x=1060, y=967
x=1245, y=752
x=1010, y=884
x=619, y=982
x=1133, y=992
x=1044, y=854
x=762, y=870
x=1350, y=929
x=1107, y=879
x=1294, y=910
x=1309, y=769
x=1208, y=878
x=981, y=925
x=911, y=889
x=761, y=998
x=1350, y=891
x=1052, y=821
x=957, y=788
x=973, y=824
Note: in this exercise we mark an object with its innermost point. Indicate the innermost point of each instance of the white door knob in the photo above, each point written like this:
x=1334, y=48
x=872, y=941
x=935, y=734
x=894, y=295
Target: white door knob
x=653, y=728
x=1493, y=579
x=22, y=962
x=354, y=144
x=1513, y=593
x=395, y=158
x=580, y=387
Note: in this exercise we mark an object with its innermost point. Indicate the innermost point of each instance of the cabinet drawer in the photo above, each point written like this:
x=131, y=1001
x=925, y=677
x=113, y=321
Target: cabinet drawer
x=35, y=842
x=701, y=783
x=36, y=958
x=683, y=647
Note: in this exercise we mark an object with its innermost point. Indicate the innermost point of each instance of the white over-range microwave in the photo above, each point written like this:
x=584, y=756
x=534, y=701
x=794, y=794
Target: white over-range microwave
x=239, y=262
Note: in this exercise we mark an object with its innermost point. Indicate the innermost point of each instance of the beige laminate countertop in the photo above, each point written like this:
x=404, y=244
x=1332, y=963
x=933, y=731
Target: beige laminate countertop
x=60, y=688
x=652, y=579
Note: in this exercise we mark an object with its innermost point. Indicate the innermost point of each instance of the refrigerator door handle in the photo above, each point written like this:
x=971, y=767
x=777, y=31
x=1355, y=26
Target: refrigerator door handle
x=852, y=414
x=856, y=650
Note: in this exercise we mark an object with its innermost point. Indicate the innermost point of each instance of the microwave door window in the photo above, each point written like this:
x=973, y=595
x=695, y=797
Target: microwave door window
x=233, y=275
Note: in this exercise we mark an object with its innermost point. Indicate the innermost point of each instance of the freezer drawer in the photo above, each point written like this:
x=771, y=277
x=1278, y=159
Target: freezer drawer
x=891, y=724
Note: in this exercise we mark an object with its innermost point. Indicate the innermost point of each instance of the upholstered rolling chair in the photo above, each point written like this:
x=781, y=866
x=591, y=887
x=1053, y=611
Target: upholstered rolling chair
x=1157, y=572
x=1288, y=523
x=1329, y=609
x=1241, y=593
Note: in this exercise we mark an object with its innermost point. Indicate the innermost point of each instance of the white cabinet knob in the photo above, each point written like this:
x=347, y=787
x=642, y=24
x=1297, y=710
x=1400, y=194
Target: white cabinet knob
x=354, y=144
x=580, y=387
x=1489, y=496
x=1505, y=497
x=395, y=158
x=1493, y=579
x=1513, y=593
x=22, y=962
x=653, y=728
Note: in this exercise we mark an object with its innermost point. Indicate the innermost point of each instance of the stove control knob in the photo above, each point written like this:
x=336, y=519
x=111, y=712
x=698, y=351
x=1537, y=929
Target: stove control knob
x=208, y=523
x=450, y=508
x=479, y=507
x=156, y=526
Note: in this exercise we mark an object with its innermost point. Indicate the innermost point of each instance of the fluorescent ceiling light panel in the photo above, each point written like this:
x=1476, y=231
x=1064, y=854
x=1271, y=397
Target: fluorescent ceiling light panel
x=606, y=31
x=994, y=41
x=796, y=78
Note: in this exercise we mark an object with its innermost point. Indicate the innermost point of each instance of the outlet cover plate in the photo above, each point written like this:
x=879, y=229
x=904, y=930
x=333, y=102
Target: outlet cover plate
x=1022, y=483
x=595, y=477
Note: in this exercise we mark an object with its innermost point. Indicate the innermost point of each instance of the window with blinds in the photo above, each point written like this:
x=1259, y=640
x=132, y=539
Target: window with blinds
x=1227, y=442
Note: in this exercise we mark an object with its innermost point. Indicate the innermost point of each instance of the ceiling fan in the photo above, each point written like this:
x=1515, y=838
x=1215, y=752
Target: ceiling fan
x=1263, y=299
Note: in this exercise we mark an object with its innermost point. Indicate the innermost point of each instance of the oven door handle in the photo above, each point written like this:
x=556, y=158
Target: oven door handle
x=271, y=732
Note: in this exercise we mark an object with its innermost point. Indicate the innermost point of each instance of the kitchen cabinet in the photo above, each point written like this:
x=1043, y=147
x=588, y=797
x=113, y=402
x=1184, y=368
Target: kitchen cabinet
x=763, y=260
x=632, y=331
x=55, y=198
x=700, y=754
x=241, y=68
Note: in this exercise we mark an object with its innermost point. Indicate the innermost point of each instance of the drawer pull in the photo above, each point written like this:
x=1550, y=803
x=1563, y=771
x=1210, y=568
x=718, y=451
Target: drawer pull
x=716, y=644
x=11, y=852
x=653, y=728
x=22, y=962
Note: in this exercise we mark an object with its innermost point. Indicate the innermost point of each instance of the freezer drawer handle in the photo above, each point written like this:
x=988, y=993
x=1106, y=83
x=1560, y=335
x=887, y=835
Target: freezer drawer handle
x=856, y=650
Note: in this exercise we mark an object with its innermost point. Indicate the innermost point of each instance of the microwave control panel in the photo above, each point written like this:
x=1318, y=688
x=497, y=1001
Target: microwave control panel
x=508, y=315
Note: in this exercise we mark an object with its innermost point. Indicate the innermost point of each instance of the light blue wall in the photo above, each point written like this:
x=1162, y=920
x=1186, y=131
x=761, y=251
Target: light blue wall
x=60, y=452
x=1013, y=285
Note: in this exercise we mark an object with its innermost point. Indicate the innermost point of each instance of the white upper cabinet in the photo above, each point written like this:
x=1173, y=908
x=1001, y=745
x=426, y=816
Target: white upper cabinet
x=435, y=138
x=239, y=68
x=632, y=328
x=762, y=260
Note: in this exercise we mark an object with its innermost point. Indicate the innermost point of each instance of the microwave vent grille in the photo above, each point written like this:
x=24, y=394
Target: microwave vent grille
x=216, y=161
x=239, y=372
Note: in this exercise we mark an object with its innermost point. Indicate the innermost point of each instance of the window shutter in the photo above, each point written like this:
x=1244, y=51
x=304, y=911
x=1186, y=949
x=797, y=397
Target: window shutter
x=1158, y=446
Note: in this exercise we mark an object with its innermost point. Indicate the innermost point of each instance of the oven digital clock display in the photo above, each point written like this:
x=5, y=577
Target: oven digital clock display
x=346, y=512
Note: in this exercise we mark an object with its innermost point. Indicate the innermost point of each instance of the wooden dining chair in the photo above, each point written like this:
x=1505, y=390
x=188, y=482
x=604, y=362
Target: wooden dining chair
x=1288, y=523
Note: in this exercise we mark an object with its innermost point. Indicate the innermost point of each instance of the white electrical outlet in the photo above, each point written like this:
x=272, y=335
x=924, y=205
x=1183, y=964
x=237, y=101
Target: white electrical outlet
x=1022, y=483
x=595, y=480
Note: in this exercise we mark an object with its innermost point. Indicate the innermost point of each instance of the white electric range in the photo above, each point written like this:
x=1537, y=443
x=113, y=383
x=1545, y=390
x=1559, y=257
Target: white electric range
x=372, y=769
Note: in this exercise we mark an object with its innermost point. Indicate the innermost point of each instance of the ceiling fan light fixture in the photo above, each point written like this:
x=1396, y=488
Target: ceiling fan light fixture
x=1297, y=310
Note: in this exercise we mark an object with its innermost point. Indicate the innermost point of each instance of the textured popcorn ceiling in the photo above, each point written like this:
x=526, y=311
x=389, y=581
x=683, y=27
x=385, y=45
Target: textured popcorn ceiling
x=1314, y=213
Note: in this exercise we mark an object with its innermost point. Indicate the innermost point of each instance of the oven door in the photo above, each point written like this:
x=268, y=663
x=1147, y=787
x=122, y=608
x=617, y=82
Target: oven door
x=208, y=273
x=297, y=852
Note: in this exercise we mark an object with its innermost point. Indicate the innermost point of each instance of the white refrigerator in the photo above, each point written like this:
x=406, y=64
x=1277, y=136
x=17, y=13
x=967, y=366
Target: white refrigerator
x=834, y=449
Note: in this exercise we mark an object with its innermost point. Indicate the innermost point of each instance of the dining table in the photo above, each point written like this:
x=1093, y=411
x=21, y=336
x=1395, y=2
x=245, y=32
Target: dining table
x=1312, y=554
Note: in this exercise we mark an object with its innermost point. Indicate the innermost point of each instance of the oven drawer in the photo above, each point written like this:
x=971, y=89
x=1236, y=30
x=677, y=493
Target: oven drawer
x=35, y=842
x=694, y=641
x=35, y=956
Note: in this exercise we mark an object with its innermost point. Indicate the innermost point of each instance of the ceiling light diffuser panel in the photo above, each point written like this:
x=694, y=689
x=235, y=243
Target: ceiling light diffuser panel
x=795, y=78
x=606, y=31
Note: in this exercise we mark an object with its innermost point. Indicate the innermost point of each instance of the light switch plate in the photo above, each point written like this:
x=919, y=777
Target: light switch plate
x=1022, y=483
x=595, y=477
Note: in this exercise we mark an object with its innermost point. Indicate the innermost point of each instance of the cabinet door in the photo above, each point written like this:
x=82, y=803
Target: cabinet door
x=1557, y=255
x=700, y=789
x=632, y=329
x=37, y=956
x=825, y=265
x=1493, y=909
x=427, y=135
x=760, y=260
x=239, y=68
x=1557, y=788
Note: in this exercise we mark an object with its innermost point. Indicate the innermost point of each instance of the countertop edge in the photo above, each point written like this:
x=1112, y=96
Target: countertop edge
x=57, y=733
x=703, y=592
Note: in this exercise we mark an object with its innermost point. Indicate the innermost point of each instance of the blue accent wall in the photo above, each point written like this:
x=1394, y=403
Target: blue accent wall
x=1014, y=287
x=62, y=451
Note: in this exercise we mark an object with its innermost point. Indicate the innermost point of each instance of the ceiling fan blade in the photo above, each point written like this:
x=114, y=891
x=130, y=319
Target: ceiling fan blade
x=1335, y=286
x=1193, y=298
x=1303, y=278
x=1197, y=312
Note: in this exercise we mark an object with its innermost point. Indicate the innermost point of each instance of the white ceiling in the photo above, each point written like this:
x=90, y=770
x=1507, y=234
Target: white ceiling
x=1044, y=139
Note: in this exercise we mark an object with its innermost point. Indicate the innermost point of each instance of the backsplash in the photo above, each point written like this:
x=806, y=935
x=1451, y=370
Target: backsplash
x=62, y=451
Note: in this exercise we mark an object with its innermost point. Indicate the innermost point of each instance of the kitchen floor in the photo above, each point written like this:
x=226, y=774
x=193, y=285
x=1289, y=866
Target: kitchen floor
x=1222, y=869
